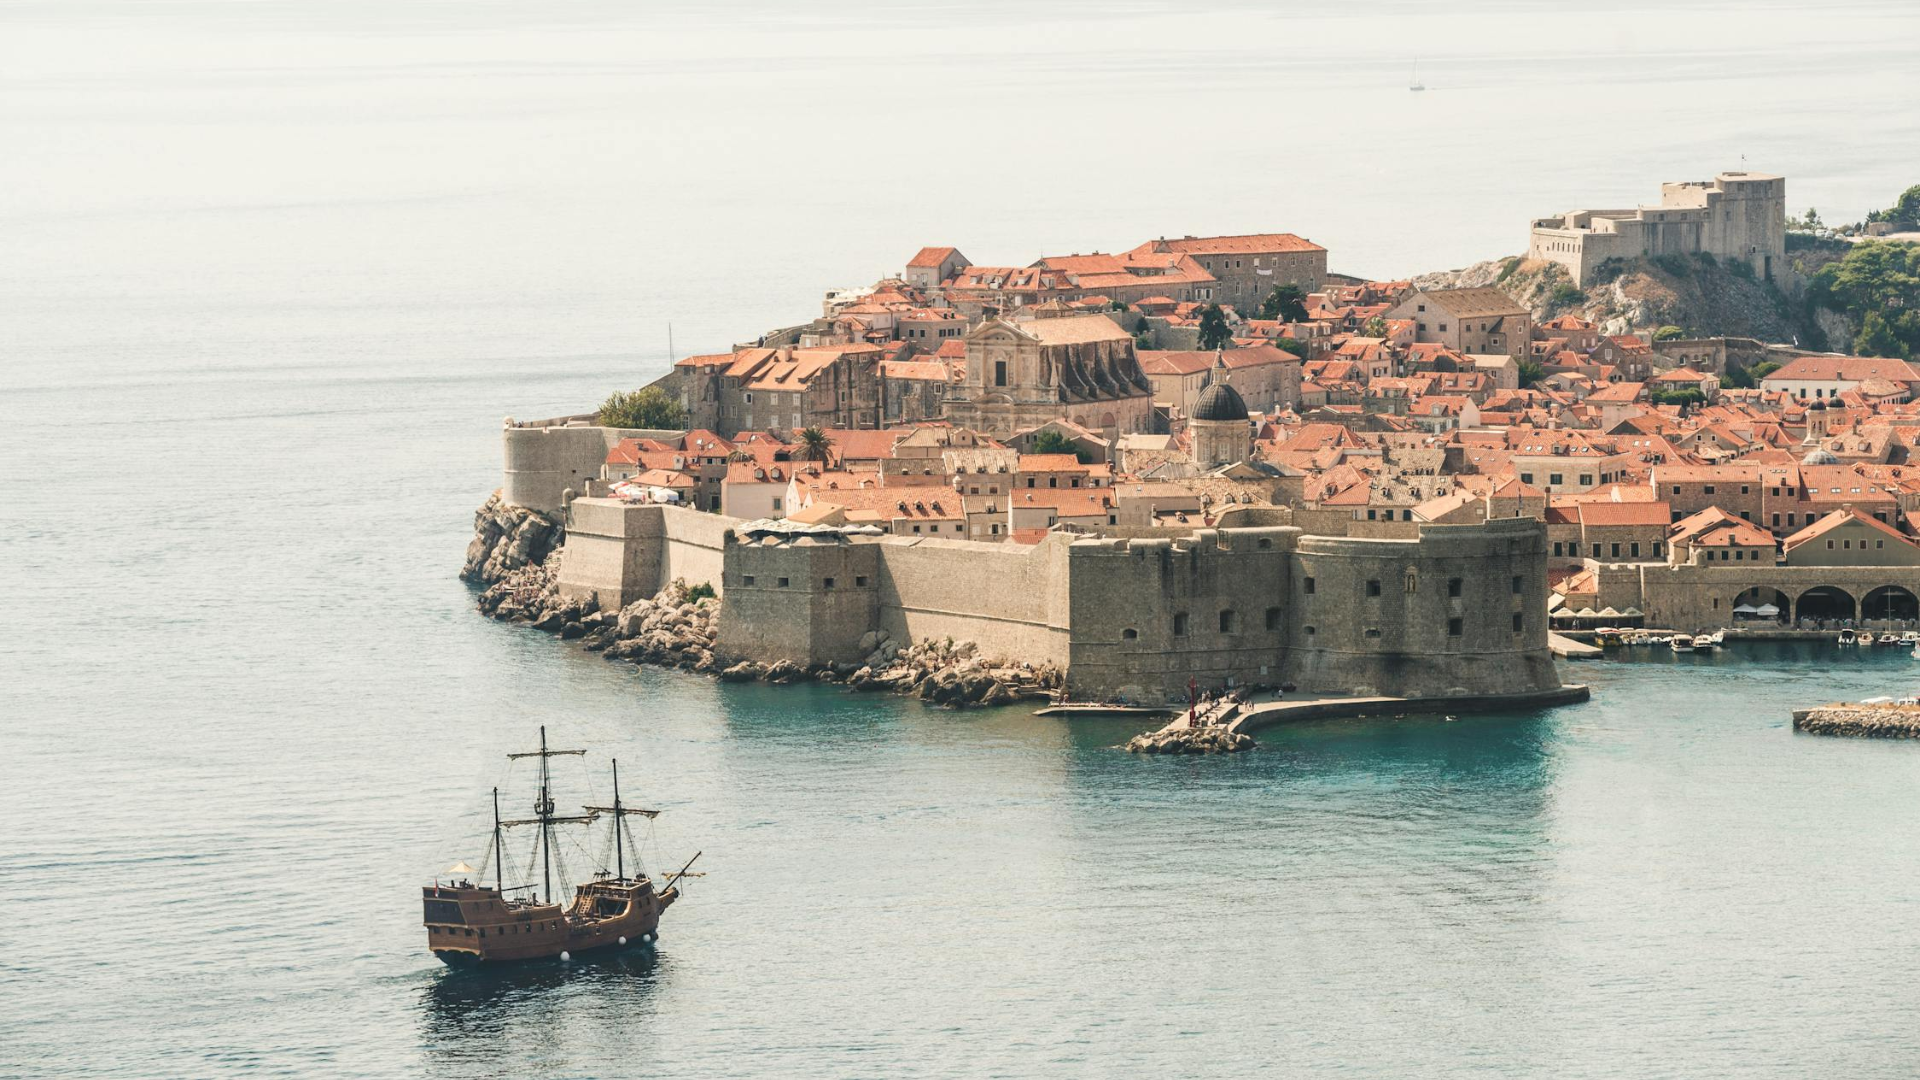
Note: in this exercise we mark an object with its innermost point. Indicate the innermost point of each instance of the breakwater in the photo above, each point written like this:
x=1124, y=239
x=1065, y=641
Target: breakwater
x=1866, y=721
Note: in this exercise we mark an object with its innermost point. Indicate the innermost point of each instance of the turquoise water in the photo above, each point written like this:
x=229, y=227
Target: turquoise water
x=273, y=272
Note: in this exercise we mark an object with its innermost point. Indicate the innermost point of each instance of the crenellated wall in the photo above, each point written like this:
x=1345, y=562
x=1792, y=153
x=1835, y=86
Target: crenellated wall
x=1455, y=609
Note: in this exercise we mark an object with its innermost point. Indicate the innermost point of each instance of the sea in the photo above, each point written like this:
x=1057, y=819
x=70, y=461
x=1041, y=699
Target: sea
x=272, y=272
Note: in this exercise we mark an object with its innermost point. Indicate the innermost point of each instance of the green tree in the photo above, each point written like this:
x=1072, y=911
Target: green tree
x=1906, y=208
x=1053, y=441
x=648, y=408
x=1286, y=303
x=1877, y=284
x=1668, y=333
x=1682, y=398
x=1292, y=345
x=815, y=445
x=1374, y=327
x=1214, y=333
x=1531, y=372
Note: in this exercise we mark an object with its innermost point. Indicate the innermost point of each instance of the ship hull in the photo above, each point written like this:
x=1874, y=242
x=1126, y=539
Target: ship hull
x=468, y=927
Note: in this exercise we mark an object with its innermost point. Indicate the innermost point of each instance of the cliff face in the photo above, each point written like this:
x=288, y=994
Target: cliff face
x=1701, y=296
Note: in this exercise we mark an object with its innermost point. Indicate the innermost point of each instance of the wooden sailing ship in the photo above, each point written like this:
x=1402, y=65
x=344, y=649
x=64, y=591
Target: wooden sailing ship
x=469, y=923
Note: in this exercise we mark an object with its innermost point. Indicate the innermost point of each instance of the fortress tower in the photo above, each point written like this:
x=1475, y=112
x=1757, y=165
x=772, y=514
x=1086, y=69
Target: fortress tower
x=1735, y=217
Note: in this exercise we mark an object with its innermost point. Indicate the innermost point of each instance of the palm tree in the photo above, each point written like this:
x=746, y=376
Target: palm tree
x=815, y=446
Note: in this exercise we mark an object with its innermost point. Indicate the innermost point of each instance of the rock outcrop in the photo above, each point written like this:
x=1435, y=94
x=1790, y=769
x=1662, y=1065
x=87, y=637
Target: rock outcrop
x=506, y=539
x=1861, y=721
x=1185, y=740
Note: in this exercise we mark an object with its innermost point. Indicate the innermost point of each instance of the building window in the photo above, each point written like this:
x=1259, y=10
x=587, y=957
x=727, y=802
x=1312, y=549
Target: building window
x=1372, y=633
x=1707, y=490
x=1557, y=548
x=1456, y=627
x=1553, y=479
x=1227, y=622
x=1308, y=586
x=783, y=583
x=999, y=373
x=1614, y=549
x=1596, y=551
x=1273, y=618
x=1129, y=634
x=1373, y=586
x=1519, y=622
x=1633, y=549
x=860, y=582
x=1180, y=625
x=1309, y=630
x=1586, y=479
x=1519, y=585
x=747, y=580
x=826, y=583
x=1266, y=543
x=1656, y=549
x=1453, y=584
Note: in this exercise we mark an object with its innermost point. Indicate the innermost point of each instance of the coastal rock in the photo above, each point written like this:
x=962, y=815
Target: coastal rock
x=1183, y=740
x=507, y=538
x=744, y=671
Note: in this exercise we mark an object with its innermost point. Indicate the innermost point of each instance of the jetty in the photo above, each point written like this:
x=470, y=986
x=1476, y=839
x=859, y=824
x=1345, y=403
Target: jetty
x=1864, y=720
x=1223, y=725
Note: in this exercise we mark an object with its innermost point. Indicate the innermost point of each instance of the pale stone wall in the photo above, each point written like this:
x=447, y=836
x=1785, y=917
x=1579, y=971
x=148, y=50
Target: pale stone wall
x=1401, y=636
x=1138, y=615
x=545, y=458
x=1697, y=597
x=618, y=552
x=1150, y=614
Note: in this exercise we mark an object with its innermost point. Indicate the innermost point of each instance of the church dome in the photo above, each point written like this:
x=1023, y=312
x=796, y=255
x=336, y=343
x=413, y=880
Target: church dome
x=1219, y=402
x=1819, y=455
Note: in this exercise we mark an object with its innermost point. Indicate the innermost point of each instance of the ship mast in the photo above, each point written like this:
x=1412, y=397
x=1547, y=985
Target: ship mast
x=543, y=808
x=499, y=866
x=619, y=813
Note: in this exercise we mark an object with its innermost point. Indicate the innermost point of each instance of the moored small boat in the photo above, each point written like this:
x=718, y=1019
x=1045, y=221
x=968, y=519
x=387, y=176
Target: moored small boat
x=1681, y=643
x=1846, y=637
x=1889, y=639
x=1704, y=643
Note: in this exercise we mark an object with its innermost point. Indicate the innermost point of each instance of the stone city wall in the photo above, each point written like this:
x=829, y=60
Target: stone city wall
x=1462, y=609
x=544, y=458
x=1457, y=609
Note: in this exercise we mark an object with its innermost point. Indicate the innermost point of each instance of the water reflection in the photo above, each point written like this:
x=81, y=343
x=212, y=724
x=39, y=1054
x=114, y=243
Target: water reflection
x=462, y=1002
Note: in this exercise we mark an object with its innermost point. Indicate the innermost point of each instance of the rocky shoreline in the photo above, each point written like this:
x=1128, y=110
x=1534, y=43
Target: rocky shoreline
x=1860, y=721
x=515, y=554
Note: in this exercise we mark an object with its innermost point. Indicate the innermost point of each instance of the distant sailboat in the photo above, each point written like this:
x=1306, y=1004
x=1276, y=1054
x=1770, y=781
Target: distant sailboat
x=1413, y=80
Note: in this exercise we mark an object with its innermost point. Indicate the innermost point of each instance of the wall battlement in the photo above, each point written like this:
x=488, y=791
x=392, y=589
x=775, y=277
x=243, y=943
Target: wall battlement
x=1457, y=609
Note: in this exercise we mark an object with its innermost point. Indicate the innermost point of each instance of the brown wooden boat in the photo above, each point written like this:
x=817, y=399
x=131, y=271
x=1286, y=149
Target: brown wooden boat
x=472, y=924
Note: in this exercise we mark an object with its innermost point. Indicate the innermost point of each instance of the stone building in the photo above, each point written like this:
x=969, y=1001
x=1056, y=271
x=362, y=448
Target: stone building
x=1248, y=267
x=1021, y=374
x=760, y=388
x=1735, y=217
x=1483, y=320
x=1219, y=428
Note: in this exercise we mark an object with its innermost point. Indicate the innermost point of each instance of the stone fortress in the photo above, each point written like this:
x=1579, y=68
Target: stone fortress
x=1737, y=217
x=1404, y=610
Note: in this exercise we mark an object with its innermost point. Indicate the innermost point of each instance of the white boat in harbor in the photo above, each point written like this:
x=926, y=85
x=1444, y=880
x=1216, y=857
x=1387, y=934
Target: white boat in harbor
x=1705, y=643
x=1911, y=637
x=1681, y=643
x=1718, y=638
x=1846, y=637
